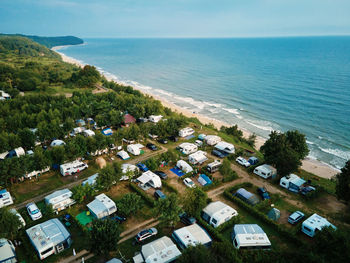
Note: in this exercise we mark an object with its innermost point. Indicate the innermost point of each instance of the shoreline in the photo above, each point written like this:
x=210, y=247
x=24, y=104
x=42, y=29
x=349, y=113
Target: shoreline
x=310, y=165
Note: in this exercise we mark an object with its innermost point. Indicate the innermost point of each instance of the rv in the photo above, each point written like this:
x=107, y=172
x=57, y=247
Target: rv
x=36, y=173
x=155, y=118
x=151, y=179
x=191, y=235
x=293, y=183
x=217, y=213
x=265, y=171
x=72, y=167
x=102, y=206
x=186, y=132
x=60, y=199
x=225, y=147
x=212, y=139
x=133, y=149
x=249, y=236
x=187, y=148
x=314, y=224
x=48, y=238
x=214, y=166
x=5, y=198
x=198, y=157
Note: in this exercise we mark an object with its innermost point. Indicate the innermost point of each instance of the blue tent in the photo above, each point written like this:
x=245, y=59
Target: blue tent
x=107, y=131
x=246, y=196
x=204, y=180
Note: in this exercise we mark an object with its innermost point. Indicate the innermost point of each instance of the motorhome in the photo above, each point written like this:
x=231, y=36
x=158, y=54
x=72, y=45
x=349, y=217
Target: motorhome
x=72, y=167
x=214, y=166
x=265, y=171
x=225, y=147
x=249, y=236
x=187, y=148
x=186, y=132
x=198, y=157
x=292, y=182
x=60, y=200
x=217, y=213
x=5, y=198
x=314, y=224
x=212, y=139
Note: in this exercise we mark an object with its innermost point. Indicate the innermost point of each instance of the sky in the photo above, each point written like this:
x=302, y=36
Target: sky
x=175, y=18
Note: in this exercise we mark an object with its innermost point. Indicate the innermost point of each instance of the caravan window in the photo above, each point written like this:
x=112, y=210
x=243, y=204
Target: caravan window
x=263, y=173
x=283, y=183
x=46, y=251
x=307, y=229
x=235, y=242
x=214, y=221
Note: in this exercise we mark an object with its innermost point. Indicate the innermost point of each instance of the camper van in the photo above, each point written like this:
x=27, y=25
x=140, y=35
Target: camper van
x=265, y=171
x=217, y=213
x=186, y=132
x=72, y=167
x=214, y=166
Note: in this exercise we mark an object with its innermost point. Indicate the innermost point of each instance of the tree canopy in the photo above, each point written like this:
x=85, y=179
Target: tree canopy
x=342, y=189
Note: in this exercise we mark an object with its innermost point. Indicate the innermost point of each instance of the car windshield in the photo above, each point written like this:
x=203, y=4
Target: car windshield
x=35, y=211
x=190, y=182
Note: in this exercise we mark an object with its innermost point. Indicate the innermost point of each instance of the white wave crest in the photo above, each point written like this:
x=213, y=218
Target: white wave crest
x=337, y=152
x=233, y=111
x=265, y=126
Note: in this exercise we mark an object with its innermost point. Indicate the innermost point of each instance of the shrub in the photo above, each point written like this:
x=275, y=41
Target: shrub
x=142, y=193
x=169, y=187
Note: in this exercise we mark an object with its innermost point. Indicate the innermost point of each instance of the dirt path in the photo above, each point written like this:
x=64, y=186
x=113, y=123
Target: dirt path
x=137, y=228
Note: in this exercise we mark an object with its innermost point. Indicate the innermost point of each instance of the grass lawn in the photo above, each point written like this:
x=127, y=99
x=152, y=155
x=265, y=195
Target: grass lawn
x=327, y=184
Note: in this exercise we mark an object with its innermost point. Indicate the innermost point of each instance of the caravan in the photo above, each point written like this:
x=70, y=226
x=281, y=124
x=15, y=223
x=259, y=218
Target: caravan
x=155, y=118
x=265, y=171
x=36, y=173
x=225, y=147
x=250, y=236
x=60, y=199
x=293, y=183
x=186, y=132
x=187, y=148
x=217, y=213
x=150, y=178
x=314, y=224
x=214, y=166
x=72, y=167
x=5, y=198
x=212, y=139
x=198, y=157
x=102, y=206
x=134, y=149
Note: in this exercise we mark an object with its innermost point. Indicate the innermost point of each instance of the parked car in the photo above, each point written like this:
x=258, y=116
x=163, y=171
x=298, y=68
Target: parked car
x=242, y=161
x=33, y=211
x=151, y=146
x=218, y=154
x=142, y=167
x=161, y=174
x=186, y=219
x=263, y=193
x=173, y=138
x=189, y=183
x=119, y=219
x=146, y=234
x=295, y=217
x=306, y=190
x=198, y=143
x=159, y=194
x=163, y=141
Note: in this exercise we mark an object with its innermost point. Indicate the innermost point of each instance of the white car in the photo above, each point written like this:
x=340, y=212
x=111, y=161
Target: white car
x=242, y=161
x=23, y=223
x=34, y=211
x=198, y=143
x=189, y=183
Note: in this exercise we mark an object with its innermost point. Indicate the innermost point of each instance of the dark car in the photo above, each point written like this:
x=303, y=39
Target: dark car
x=295, y=217
x=146, y=234
x=263, y=193
x=142, y=167
x=186, y=219
x=119, y=219
x=151, y=146
x=159, y=194
x=218, y=154
x=173, y=138
x=161, y=174
x=163, y=141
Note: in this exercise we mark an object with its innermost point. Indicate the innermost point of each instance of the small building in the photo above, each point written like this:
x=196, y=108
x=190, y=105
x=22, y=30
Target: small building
x=274, y=214
x=187, y=148
x=217, y=213
x=151, y=179
x=72, y=167
x=60, y=199
x=88, y=133
x=212, y=139
x=7, y=251
x=5, y=198
x=185, y=167
x=107, y=132
x=55, y=143
x=123, y=155
x=191, y=235
x=48, y=238
x=133, y=149
x=250, y=236
x=162, y=250
x=129, y=119
x=247, y=196
x=225, y=147
x=186, y=132
x=314, y=224
x=204, y=180
x=155, y=118
x=198, y=157
x=91, y=180
x=214, y=166
x=265, y=171
x=102, y=206
x=292, y=182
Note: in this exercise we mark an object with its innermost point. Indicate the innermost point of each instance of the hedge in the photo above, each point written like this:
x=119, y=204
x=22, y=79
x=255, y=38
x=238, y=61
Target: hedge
x=169, y=187
x=229, y=224
x=143, y=194
x=211, y=230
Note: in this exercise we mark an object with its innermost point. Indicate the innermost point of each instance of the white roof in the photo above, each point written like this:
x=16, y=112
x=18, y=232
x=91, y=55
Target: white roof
x=7, y=250
x=192, y=235
x=101, y=204
x=186, y=129
x=47, y=234
x=198, y=157
x=187, y=145
x=57, y=143
x=123, y=154
x=225, y=146
x=128, y=167
x=149, y=176
x=20, y=151
x=58, y=196
x=139, y=145
x=3, y=155
x=218, y=209
x=162, y=250
x=216, y=162
x=265, y=168
x=89, y=132
x=184, y=166
x=212, y=139
x=317, y=222
x=4, y=94
x=250, y=234
x=71, y=164
x=91, y=180
x=155, y=118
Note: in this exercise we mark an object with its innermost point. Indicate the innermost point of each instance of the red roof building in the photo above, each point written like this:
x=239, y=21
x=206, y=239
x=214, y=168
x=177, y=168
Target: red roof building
x=128, y=119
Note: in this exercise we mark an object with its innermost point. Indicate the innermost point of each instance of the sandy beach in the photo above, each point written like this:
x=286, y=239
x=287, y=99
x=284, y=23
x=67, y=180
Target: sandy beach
x=310, y=165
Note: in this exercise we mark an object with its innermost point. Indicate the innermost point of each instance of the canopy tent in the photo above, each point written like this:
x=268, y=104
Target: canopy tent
x=204, y=180
x=274, y=214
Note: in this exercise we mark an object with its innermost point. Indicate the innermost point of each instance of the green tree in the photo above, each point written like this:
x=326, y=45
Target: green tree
x=129, y=204
x=168, y=210
x=80, y=192
x=104, y=236
x=197, y=254
x=9, y=223
x=194, y=201
x=152, y=163
x=40, y=159
x=27, y=138
x=342, y=188
x=107, y=177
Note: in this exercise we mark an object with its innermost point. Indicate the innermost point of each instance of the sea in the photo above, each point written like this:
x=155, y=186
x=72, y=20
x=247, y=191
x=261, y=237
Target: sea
x=260, y=84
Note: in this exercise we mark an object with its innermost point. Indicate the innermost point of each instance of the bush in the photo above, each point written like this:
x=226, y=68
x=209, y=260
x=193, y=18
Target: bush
x=169, y=187
x=229, y=224
x=142, y=193
x=211, y=230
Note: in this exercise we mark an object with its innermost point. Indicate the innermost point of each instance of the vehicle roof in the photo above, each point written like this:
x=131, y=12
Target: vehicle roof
x=192, y=235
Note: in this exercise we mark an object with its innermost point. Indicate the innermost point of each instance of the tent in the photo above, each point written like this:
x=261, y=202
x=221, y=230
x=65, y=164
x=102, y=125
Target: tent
x=150, y=178
x=57, y=143
x=107, y=131
x=246, y=196
x=274, y=214
x=181, y=164
x=123, y=155
x=204, y=180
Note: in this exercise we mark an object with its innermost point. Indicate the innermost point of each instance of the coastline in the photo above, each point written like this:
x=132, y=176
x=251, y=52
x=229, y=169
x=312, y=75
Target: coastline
x=310, y=165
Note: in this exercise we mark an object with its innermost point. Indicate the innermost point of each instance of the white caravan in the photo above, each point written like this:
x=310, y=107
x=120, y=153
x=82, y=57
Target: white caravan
x=187, y=148
x=214, y=166
x=60, y=199
x=72, y=167
x=265, y=171
x=5, y=198
x=133, y=149
x=217, y=213
x=155, y=118
x=212, y=139
x=186, y=132
x=198, y=157
x=225, y=147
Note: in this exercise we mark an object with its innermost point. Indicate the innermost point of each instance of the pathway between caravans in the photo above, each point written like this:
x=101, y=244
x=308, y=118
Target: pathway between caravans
x=78, y=182
x=137, y=228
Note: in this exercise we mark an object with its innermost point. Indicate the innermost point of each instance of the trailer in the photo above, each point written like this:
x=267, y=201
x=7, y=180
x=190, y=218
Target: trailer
x=72, y=167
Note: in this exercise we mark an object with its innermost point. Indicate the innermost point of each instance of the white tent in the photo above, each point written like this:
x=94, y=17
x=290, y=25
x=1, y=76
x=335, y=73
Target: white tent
x=181, y=164
x=134, y=149
x=123, y=154
x=198, y=157
x=150, y=178
x=57, y=143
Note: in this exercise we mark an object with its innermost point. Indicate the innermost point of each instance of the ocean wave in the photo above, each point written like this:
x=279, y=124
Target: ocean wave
x=309, y=142
x=265, y=125
x=164, y=92
x=233, y=111
x=216, y=105
x=337, y=152
x=189, y=100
